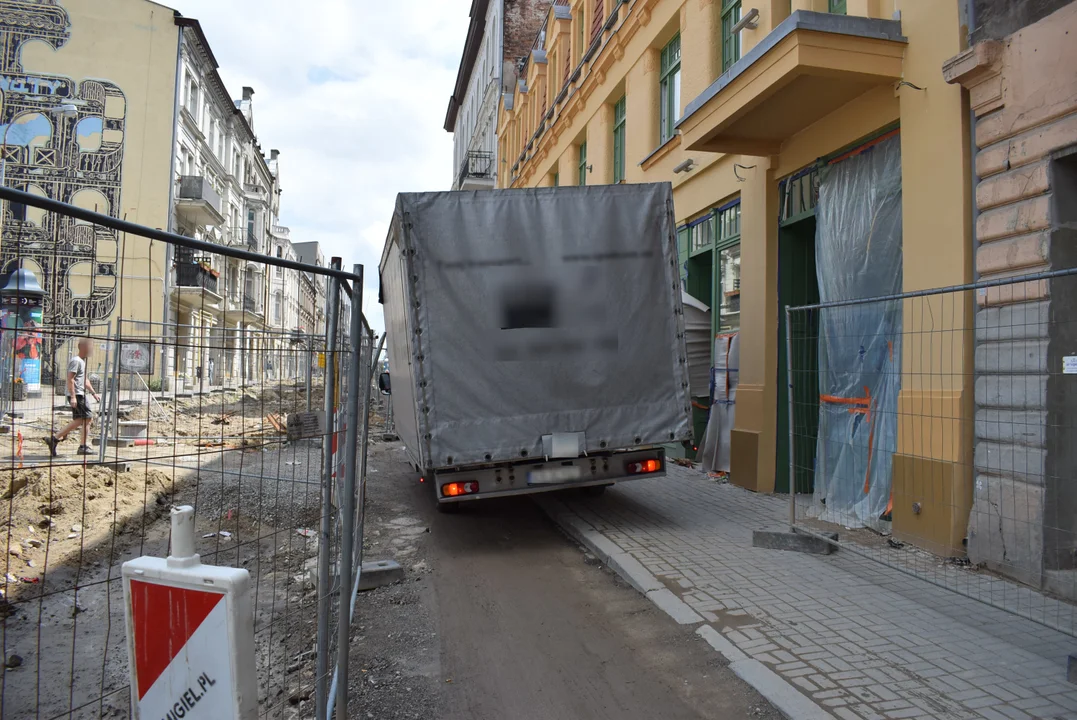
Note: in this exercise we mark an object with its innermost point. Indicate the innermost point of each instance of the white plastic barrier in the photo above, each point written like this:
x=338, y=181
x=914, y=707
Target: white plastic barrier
x=190, y=634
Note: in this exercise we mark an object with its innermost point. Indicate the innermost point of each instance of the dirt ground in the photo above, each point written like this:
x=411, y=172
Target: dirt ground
x=66, y=530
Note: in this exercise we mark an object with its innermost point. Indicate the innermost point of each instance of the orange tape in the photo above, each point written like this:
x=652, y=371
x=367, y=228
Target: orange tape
x=861, y=406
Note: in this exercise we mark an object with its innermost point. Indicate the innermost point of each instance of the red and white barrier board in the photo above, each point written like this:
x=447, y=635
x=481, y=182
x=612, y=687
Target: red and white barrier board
x=190, y=634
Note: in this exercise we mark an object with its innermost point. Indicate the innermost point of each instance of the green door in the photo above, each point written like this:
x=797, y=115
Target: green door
x=798, y=285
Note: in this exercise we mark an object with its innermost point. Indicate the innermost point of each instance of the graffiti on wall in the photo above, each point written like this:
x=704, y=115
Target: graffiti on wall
x=74, y=156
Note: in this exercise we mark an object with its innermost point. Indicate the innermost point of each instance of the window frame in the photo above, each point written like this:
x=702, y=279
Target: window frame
x=837, y=7
x=669, y=88
x=731, y=14
x=582, y=177
x=619, y=140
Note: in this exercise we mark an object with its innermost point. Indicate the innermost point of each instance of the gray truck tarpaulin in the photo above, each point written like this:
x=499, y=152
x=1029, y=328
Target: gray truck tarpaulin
x=538, y=312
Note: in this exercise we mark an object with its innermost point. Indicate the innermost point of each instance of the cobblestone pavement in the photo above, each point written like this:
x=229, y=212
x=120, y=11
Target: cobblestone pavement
x=860, y=639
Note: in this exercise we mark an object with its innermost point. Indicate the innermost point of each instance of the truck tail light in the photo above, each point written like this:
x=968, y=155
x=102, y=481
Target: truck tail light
x=455, y=489
x=643, y=467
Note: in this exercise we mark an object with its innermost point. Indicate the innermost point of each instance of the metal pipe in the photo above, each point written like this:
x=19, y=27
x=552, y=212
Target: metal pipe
x=359, y=534
x=981, y=285
x=347, y=511
x=322, y=669
x=103, y=410
x=789, y=389
x=48, y=204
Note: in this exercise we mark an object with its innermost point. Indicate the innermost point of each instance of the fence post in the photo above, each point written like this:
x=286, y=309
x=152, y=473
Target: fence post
x=322, y=669
x=103, y=409
x=347, y=512
x=789, y=391
x=310, y=365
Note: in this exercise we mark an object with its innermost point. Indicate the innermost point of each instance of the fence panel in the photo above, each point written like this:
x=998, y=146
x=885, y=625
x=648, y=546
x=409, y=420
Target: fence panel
x=934, y=433
x=210, y=395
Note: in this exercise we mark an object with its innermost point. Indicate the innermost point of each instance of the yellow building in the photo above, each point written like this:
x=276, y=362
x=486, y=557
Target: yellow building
x=744, y=106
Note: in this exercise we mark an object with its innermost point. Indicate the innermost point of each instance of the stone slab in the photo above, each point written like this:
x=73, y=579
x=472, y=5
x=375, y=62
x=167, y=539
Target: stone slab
x=379, y=573
x=793, y=542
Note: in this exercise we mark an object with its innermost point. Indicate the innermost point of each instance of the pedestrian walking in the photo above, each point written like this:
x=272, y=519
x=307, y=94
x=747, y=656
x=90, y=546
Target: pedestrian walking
x=77, y=387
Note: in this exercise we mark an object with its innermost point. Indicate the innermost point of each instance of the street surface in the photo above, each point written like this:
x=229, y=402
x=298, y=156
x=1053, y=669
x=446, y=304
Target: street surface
x=855, y=637
x=502, y=617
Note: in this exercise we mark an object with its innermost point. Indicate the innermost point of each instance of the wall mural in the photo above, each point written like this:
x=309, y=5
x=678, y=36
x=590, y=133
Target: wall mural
x=76, y=160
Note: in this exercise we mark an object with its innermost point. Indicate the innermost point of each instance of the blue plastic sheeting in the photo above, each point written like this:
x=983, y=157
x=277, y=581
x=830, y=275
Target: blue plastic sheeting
x=858, y=255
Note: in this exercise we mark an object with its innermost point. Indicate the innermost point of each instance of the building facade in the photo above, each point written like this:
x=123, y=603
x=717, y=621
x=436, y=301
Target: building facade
x=1024, y=513
x=500, y=34
x=74, y=114
x=785, y=127
x=112, y=154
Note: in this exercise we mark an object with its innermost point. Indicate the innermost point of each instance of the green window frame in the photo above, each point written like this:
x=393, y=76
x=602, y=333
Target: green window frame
x=619, y=141
x=730, y=39
x=670, y=87
x=837, y=7
x=583, y=164
x=556, y=179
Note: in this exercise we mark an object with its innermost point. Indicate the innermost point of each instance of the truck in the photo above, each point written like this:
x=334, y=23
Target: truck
x=535, y=338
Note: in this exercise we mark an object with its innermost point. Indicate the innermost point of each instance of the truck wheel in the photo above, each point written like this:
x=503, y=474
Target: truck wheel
x=595, y=490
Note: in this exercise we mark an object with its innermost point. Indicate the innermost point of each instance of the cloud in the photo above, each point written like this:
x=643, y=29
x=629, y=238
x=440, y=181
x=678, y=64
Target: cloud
x=353, y=93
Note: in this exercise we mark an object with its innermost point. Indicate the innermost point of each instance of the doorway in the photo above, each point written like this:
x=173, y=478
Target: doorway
x=798, y=285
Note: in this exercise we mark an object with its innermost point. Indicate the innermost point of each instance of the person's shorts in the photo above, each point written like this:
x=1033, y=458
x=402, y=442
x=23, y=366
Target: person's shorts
x=82, y=410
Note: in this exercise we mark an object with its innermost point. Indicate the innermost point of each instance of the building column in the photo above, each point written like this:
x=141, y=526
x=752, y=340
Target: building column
x=753, y=438
x=641, y=113
x=701, y=47
x=600, y=146
x=933, y=468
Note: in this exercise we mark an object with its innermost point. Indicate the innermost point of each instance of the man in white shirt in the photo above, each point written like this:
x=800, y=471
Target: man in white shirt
x=77, y=386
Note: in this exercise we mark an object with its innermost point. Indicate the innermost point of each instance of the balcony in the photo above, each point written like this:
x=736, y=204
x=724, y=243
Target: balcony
x=195, y=275
x=476, y=171
x=810, y=65
x=196, y=286
x=197, y=203
x=251, y=305
x=252, y=241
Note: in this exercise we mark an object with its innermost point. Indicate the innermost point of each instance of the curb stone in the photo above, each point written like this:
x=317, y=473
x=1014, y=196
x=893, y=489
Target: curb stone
x=789, y=701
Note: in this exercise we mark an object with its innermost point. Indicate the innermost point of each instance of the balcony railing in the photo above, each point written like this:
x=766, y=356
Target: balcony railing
x=250, y=304
x=193, y=275
x=476, y=164
x=196, y=187
x=252, y=240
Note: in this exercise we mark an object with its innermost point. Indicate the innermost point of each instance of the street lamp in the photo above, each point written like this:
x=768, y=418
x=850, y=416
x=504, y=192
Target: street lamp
x=66, y=110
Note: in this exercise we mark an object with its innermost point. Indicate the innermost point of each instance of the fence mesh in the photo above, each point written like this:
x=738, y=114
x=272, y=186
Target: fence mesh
x=207, y=390
x=933, y=432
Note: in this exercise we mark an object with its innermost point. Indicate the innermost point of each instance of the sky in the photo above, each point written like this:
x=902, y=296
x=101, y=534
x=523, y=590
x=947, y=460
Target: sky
x=353, y=93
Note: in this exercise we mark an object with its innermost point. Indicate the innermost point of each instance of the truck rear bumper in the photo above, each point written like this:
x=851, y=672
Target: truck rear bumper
x=524, y=478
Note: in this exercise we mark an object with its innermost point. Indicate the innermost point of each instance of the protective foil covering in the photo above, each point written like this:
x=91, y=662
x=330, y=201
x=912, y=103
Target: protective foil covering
x=544, y=311
x=697, y=333
x=858, y=255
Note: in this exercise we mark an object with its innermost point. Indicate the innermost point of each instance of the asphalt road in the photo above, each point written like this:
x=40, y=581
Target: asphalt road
x=503, y=618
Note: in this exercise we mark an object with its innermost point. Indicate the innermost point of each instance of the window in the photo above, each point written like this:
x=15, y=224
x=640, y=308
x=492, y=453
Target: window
x=729, y=268
x=583, y=164
x=619, y=141
x=580, y=22
x=670, y=86
x=278, y=308
x=192, y=98
x=280, y=254
x=556, y=179
x=251, y=240
x=836, y=6
x=730, y=40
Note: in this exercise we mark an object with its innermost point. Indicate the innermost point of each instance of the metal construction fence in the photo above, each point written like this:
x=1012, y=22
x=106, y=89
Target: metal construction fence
x=222, y=388
x=934, y=432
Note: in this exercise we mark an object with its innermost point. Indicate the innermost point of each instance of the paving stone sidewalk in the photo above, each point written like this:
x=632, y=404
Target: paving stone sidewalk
x=857, y=638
